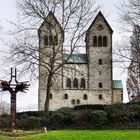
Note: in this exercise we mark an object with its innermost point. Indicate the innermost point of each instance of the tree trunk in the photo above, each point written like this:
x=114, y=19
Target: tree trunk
x=49, y=81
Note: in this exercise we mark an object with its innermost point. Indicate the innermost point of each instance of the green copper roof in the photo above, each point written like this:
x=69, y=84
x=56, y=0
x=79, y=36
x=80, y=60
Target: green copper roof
x=76, y=58
x=117, y=84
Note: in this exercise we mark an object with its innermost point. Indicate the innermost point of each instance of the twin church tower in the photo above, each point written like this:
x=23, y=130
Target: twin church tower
x=83, y=79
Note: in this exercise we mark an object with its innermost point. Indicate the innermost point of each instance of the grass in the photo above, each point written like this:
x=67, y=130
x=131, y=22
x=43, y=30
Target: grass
x=82, y=135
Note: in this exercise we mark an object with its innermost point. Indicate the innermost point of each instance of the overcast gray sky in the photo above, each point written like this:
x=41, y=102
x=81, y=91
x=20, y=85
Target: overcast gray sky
x=8, y=12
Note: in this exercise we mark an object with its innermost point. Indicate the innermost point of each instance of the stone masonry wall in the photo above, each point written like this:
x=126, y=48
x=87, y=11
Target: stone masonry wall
x=96, y=53
x=117, y=96
x=58, y=100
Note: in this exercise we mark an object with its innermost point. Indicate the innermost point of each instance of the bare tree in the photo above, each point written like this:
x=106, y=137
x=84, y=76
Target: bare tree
x=133, y=80
x=73, y=17
x=129, y=53
x=129, y=14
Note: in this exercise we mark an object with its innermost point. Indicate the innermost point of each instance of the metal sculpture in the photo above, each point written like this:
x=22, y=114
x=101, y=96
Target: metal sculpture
x=13, y=86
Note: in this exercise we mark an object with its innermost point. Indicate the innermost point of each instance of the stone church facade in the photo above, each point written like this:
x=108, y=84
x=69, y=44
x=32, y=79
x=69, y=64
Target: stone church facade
x=85, y=78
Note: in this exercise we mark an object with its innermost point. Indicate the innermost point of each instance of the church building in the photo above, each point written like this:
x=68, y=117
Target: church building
x=84, y=79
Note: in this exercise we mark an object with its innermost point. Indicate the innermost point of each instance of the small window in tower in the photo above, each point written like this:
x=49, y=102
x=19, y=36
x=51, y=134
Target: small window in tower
x=95, y=41
x=65, y=96
x=72, y=101
x=85, y=97
x=100, y=96
x=105, y=41
x=50, y=40
x=78, y=101
x=55, y=40
x=100, y=41
x=100, y=61
x=51, y=96
x=100, y=85
x=100, y=73
x=83, y=84
x=68, y=83
x=75, y=83
x=122, y=97
x=46, y=40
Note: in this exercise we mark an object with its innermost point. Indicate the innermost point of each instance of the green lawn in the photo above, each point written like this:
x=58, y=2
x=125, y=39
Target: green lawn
x=82, y=135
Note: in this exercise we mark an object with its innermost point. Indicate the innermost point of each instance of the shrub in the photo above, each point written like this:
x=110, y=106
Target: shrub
x=33, y=113
x=81, y=115
x=98, y=118
x=133, y=102
x=118, y=113
x=22, y=123
x=89, y=107
x=55, y=120
x=67, y=115
x=30, y=123
x=22, y=115
x=4, y=121
x=134, y=109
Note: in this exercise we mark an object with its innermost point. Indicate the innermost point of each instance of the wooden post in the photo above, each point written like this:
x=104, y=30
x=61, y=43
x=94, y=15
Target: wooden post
x=13, y=110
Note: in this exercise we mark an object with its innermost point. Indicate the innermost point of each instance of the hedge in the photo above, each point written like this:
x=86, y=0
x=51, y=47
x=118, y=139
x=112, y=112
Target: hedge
x=117, y=116
x=91, y=107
